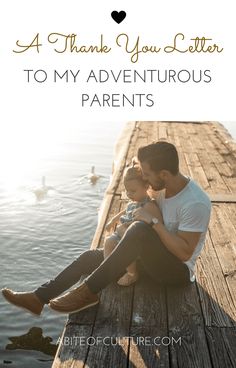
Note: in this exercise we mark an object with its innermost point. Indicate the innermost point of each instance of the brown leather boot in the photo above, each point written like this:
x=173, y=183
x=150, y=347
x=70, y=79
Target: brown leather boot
x=75, y=300
x=28, y=301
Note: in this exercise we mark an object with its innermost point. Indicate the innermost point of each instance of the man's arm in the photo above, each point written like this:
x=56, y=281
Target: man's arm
x=181, y=244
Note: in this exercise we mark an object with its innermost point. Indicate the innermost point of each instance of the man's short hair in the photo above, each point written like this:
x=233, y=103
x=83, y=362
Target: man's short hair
x=160, y=156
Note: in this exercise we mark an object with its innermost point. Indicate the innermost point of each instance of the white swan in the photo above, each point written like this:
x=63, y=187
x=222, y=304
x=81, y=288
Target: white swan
x=93, y=178
x=42, y=191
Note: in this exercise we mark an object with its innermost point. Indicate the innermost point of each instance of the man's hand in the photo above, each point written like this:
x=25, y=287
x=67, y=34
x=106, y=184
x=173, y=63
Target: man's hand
x=147, y=213
x=142, y=215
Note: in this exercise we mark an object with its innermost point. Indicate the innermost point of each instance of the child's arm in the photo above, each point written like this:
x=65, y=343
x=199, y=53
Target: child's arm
x=114, y=220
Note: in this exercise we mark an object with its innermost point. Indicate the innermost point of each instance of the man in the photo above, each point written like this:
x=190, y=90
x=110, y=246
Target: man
x=165, y=239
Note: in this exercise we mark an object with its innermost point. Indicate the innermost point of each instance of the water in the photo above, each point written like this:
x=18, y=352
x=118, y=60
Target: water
x=40, y=237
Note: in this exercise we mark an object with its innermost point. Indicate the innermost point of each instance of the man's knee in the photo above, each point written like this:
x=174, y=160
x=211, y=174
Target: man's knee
x=136, y=235
x=138, y=228
x=141, y=231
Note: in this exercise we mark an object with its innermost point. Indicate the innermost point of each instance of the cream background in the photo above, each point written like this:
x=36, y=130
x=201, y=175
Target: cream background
x=56, y=107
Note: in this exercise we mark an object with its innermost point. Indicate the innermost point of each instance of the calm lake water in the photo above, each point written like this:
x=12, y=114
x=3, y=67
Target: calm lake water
x=39, y=237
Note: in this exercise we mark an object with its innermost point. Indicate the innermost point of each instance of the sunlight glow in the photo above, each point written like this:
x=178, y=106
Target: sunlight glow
x=22, y=149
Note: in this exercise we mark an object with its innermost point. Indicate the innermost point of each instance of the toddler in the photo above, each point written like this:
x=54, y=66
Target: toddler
x=136, y=190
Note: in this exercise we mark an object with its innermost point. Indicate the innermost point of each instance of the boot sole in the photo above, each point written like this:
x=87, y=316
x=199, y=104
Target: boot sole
x=20, y=306
x=74, y=311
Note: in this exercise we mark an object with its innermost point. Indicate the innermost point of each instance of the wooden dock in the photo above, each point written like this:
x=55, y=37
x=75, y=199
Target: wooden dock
x=146, y=325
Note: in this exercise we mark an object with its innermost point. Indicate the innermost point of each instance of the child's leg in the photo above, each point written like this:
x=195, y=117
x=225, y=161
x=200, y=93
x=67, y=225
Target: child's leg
x=110, y=244
x=131, y=276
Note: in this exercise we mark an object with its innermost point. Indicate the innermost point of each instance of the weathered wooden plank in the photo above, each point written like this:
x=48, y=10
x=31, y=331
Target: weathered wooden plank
x=224, y=240
x=203, y=159
x=225, y=137
x=142, y=138
x=191, y=129
x=185, y=321
x=227, y=175
x=218, y=161
x=163, y=131
x=223, y=236
x=222, y=346
x=149, y=321
x=217, y=184
x=210, y=148
x=196, y=132
x=228, y=152
x=223, y=198
x=231, y=282
x=184, y=139
x=112, y=324
x=214, y=136
x=174, y=138
x=152, y=131
x=232, y=212
x=148, y=347
x=74, y=346
x=206, y=155
x=216, y=301
x=196, y=170
x=149, y=129
x=154, y=134
x=86, y=317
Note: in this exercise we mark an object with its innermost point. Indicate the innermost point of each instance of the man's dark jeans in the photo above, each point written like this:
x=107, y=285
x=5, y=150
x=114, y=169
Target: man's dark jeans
x=141, y=243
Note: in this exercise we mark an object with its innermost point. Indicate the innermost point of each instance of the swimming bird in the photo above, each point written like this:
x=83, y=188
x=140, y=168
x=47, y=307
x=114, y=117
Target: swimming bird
x=93, y=178
x=42, y=191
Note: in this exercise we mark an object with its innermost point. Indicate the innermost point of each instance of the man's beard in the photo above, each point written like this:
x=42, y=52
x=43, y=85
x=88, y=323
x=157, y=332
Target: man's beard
x=159, y=185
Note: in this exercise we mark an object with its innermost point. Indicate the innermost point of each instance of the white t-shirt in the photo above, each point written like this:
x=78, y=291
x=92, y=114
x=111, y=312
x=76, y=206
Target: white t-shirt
x=188, y=210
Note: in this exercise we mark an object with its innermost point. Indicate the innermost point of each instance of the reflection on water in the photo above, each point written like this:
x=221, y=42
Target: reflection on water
x=33, y=340
x=41, y=236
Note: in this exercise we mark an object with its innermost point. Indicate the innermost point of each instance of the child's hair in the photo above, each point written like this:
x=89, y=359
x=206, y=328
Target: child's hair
x=134, y=172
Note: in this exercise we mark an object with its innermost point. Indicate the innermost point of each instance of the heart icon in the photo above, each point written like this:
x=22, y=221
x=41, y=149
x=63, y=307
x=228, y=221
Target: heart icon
x=118, y=17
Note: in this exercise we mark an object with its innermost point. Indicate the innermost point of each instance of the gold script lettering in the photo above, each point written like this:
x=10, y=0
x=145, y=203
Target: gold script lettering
x=34, y=43
x=135, y=50
x=69, y=44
